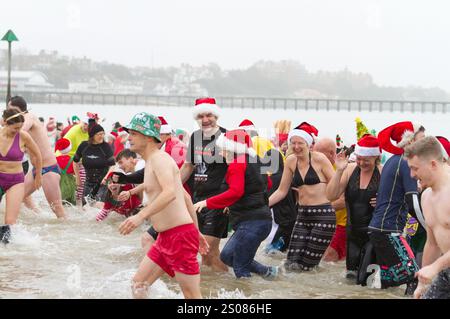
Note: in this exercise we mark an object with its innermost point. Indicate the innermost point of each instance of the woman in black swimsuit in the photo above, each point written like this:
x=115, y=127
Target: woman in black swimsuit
x=360, y=182
x=316, y=219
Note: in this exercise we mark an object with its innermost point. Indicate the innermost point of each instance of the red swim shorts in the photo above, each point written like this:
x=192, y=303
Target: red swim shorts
x=176, y=250
x=339, y=241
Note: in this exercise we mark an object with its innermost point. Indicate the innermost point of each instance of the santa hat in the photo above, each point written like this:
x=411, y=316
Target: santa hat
x=113, y=134
x=368, y=146
x=63, y=145
x=445, y=146
x=247, y=125
x=165, y=127
x=205, y=105
x=237, y=141
x=402, y=133
x=121, y=132
x=305, y=131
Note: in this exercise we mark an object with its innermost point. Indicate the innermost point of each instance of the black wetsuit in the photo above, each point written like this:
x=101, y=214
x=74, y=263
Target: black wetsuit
x=359, y=215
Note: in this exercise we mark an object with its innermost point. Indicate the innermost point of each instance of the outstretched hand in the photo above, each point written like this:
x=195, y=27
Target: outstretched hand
x=199, y=206
x=130, y=224
x=341, y=161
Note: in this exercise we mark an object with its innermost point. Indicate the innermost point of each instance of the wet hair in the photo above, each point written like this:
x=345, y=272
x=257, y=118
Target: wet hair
x=428, y=148
x=126, y=153
x=11, y=112
x=19, y=102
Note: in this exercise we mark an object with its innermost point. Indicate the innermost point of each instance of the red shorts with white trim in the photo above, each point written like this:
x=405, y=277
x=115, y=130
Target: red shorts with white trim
x=176, y=250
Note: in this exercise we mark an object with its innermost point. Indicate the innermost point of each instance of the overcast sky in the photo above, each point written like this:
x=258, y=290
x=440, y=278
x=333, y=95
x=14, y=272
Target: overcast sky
x=398, y=42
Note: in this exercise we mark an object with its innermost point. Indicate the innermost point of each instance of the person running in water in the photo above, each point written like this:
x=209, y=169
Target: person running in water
x=126, y=160
x=359, y=182
x=50, y=169
x=316, y=221
x=209, y=168
x=97, y=157
x=397, y=195
x=244, y=198
x=12, y=143
x=179, y=241
x=426, y=161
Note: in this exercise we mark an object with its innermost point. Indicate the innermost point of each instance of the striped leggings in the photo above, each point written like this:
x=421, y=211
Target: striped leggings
x=311, y=236
x=80, y=188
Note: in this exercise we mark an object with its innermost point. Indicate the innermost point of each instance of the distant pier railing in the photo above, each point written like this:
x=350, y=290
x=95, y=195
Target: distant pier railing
x=240, y=102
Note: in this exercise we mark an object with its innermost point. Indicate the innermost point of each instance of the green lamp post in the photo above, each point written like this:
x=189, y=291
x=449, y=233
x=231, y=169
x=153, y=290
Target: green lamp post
x=10, y=37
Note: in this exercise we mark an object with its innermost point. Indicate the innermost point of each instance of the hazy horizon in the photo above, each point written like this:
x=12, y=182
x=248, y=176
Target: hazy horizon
x=399, y=43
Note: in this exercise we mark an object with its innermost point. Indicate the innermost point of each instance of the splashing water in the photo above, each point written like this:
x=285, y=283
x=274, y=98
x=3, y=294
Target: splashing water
x=83, y=258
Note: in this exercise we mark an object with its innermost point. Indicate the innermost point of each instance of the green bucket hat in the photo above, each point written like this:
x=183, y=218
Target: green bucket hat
x=146, y=124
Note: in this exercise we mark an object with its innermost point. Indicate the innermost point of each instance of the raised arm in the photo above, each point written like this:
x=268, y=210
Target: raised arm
x=336, y=186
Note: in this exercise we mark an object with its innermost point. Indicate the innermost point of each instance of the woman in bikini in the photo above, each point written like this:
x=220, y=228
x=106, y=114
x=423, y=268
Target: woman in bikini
x=13, y=142
x=308, y=173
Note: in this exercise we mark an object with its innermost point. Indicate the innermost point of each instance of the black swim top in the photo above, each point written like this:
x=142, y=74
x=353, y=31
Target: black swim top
x=311, y=177
x=357, y=200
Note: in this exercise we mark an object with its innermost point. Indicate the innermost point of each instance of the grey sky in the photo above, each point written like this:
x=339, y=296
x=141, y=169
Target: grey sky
x=398, y=42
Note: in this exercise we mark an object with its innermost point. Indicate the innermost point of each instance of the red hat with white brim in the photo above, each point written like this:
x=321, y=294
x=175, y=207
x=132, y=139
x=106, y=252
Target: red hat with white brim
x=402, y=133
x=305, y=131
x=205, y=105
x=63, y=145
x=368, y=146
x=165, y=127
x=247, y=125
x=236, y=141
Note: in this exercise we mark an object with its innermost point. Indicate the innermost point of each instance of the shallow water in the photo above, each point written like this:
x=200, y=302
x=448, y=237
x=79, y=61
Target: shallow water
x=81, y=258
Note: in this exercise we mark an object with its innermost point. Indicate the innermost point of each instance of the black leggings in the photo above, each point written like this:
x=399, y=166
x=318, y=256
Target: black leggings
x=93, y=187
x=311, y=236
x=357, y=238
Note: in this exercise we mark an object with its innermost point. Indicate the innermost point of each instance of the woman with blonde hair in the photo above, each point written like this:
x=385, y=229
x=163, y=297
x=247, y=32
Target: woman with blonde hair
x=308, y=172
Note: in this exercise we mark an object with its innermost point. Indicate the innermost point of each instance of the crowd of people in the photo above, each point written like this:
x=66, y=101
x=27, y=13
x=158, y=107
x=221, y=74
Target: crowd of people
x=307, y=196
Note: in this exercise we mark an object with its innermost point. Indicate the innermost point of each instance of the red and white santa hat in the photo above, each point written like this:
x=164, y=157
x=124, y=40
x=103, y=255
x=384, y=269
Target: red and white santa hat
x=445, y=146
x=205, y=105
x=368, y=146
x=402, y=133
x=165, y=127
x=247, y=125
x=121, y=132
x=113, y=134
x=63, y=145
x=236, y=141
x=305, y=131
